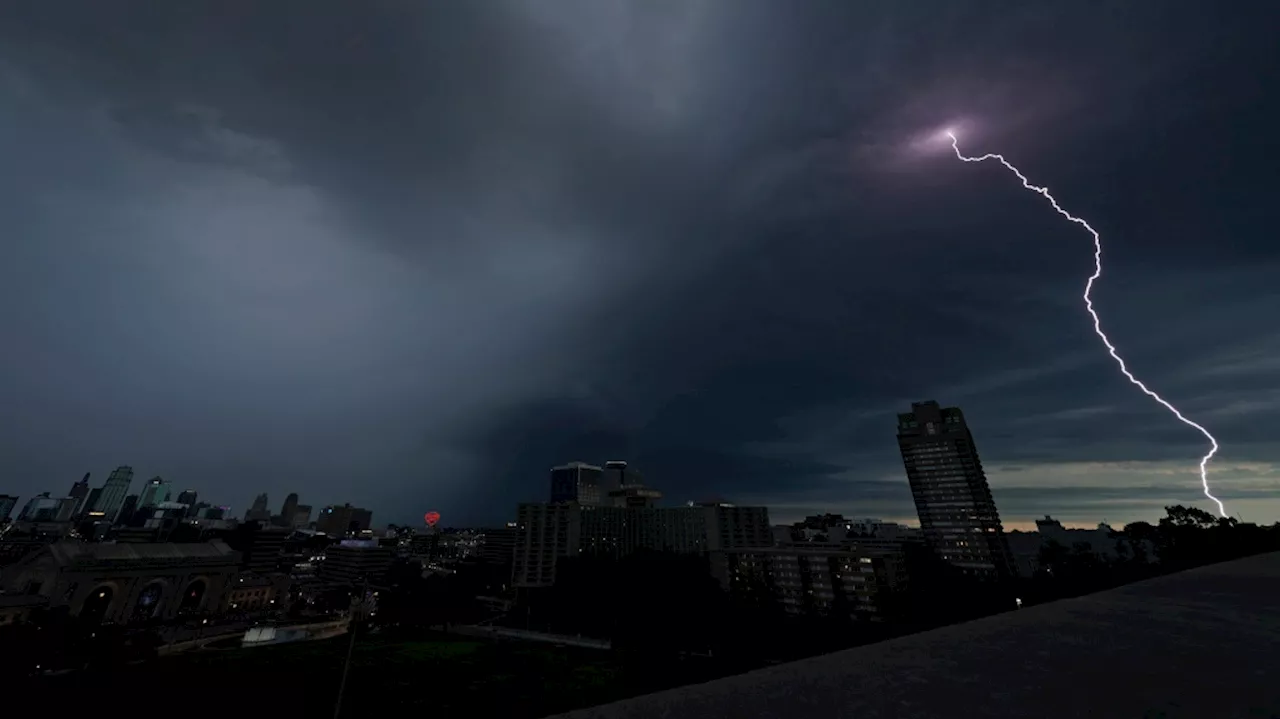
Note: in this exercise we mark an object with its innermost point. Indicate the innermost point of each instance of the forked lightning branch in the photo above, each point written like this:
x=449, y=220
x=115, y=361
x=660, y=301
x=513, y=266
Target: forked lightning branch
x=1097, y=323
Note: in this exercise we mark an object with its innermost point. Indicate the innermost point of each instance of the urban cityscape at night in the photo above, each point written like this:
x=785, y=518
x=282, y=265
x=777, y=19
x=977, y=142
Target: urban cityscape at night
x=129, y=572
x=623, y=359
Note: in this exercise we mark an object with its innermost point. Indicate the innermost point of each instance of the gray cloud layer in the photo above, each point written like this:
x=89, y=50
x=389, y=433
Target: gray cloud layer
x=410, y=255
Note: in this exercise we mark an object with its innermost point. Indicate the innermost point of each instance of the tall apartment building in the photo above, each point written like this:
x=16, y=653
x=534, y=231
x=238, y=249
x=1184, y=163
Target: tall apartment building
x=617, y=474
x=953, y=500
x=116, y=488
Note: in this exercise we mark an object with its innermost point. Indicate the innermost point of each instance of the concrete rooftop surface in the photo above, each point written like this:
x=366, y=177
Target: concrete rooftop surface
x=1204, y=643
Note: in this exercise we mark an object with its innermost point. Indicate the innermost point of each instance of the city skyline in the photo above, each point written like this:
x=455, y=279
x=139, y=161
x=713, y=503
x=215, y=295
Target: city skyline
x=785, y=515
x=649, y=236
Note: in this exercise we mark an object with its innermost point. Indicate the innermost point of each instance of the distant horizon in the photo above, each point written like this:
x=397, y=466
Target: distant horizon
x=787, y=514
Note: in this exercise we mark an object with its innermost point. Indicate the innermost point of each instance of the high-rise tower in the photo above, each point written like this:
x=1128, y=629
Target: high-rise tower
x=576, y=482
x=155, y=491
x=114, y=491
x=957, y=512
x=258, y=512
x=289, y=509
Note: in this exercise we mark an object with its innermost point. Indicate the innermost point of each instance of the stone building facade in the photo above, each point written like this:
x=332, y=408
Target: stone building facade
x=126, y=583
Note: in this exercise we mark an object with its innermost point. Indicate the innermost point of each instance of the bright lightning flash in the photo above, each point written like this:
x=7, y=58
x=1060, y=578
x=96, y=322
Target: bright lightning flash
x=1097, y=323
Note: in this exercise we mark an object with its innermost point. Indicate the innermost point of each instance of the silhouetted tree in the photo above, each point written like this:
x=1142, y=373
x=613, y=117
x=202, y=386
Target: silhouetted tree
x=1179, y=516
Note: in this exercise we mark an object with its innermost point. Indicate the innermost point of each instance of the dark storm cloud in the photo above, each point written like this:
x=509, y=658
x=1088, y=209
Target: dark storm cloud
x=400, y=253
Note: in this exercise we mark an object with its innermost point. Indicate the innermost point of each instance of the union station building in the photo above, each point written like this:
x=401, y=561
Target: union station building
x=120, y=583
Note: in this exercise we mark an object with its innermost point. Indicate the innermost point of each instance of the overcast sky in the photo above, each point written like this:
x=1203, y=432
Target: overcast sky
x=412, y=254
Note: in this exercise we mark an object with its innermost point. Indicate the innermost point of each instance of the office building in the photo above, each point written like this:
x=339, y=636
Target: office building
x=260, y=546
x=953, y=500
x=288, y=510
x=577, y=482
x=164, y=518
x=207, y=512
x=547, y=532
x=351, y=561
x=634, y=496
x=544, y=534
x=116, y=488
x=301, y=516
x=822, y=581
x=343, y=521
x=7, y=503
x=188, y=497
x=91, y=502
x=155, y=491
x=128, y=513
x=79, y=492
x=35, y=504
x=43, y=508
x=498, y=544
x=258, y=512
x=254, y=593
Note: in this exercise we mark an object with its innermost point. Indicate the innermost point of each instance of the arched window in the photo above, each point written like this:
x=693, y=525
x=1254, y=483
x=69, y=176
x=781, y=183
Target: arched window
x=192, y=597
x=149, y=600
x=97, y=604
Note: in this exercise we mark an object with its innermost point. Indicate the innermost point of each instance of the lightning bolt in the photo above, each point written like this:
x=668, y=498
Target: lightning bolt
x=1097, y=323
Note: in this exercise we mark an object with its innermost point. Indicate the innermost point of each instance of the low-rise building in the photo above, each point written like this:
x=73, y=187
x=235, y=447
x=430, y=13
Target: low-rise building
x=125, y=583
x=250, y=593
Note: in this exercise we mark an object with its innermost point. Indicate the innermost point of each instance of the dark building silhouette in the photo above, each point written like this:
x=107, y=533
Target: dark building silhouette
x=128, y=511
x=577, y=482
x=91, y=501
x=7, y=503
x=341, y=521
x=353, y=560
x=188, y=497
x=289, y=509
x=957, y=512
x=258, y=512
x=260, y=547
x=79, y=492
x=618, y=474
x=499, y=544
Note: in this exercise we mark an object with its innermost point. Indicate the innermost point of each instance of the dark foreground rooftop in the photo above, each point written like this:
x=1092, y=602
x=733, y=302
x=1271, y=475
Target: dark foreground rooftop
x=1203, y=643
